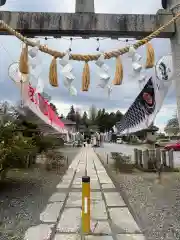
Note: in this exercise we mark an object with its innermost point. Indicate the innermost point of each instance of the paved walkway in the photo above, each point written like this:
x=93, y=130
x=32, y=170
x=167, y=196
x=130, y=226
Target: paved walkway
x=110, y=217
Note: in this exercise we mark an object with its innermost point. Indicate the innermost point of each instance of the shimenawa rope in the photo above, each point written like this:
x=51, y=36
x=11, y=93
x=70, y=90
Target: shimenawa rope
x=89, y=57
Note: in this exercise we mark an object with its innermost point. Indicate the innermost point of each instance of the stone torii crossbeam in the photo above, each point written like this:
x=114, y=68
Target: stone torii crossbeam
x=85, y=22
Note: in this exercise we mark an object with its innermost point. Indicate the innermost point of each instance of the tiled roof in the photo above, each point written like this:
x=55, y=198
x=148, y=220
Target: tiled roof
x=153, y=128
x=67, y=121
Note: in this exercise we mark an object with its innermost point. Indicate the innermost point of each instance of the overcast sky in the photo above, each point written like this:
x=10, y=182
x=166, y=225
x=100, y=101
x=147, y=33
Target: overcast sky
x=122, y=96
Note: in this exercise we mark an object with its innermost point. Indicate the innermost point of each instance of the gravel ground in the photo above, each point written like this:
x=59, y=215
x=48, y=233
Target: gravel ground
x=23, y=196
x=156, y=206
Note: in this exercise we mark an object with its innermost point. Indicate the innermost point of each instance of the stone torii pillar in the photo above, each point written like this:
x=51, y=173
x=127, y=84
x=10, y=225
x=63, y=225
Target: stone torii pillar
x=174, y=7
x=85, y=6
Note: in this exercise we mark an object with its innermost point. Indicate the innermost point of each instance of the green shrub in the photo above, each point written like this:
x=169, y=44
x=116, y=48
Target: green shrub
x=19, y=144
x=54, y=160
x=122, y=162
x=17, y=154
x=46, y=142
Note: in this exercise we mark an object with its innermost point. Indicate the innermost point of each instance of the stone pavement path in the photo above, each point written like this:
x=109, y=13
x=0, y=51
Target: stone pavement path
x=110, y=217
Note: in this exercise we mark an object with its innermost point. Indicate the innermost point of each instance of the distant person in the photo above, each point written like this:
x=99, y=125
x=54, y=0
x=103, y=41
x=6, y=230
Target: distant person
x=88, y=141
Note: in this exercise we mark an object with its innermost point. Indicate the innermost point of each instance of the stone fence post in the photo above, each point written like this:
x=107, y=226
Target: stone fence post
x=171, y=158
x=158, y=157
x=140, y=159
x=152, y=155
x=163, y=156
x=145, y=158
x=136, y=156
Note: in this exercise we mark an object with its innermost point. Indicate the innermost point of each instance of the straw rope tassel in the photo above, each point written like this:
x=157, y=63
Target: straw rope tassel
x=85, y=77
x=23, y=61
x=119, y=72
x=53, y=75
x=150, y=60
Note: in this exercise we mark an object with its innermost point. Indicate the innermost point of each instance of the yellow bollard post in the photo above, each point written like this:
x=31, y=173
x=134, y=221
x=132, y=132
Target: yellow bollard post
x=86, y=228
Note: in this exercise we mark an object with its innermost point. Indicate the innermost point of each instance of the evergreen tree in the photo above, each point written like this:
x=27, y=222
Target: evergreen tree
x=78, y=120
x=62, y=116
x=71, y=115
x=85, y=118
x=172, y=126
x=106, y=121
x=54, y=108
x=98, y=119
x=92, y=114
x=119, y=116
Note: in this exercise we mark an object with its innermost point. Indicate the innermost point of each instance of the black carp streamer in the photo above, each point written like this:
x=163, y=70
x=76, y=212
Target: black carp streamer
x=143, y=106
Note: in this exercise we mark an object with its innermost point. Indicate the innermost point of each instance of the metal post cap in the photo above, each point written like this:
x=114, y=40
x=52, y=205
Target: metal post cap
x=85, y=179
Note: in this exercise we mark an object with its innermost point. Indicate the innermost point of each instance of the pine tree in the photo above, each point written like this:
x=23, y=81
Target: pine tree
x=54, y=108
x=92, y=114
x=118, y=116
x=85, y=118
x=78, y=120
x=71, y=115
x=62, y=116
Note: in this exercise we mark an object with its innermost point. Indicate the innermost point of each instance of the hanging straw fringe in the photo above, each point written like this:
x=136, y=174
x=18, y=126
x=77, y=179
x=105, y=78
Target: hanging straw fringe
x=53, y=75
x=86, y=77
x=23, y=62
x=119, y=72
x=150, y=61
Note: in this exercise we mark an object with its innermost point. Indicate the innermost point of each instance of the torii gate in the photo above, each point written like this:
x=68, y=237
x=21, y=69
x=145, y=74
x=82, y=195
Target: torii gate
x=85, y=22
